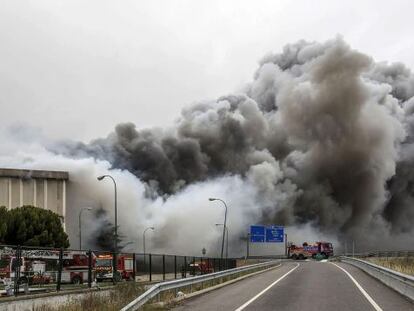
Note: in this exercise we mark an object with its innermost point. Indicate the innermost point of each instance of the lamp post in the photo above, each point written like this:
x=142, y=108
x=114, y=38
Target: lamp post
x=80, y=224
x=143, y=237
x=225, y=221
x=227, y=240
x=116, y=223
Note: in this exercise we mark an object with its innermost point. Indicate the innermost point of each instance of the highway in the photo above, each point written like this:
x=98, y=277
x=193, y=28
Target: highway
x=302, y=285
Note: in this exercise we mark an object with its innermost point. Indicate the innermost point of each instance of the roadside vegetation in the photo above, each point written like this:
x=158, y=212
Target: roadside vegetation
x=98, y=301
x=31, y=226
x=400, y=264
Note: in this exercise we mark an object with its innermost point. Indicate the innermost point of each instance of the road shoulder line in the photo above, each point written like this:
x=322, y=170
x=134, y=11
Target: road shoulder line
x=267, y=288
x=361, y=289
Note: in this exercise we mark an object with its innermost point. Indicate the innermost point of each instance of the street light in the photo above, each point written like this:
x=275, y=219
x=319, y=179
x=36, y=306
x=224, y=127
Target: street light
x=225, y=221
x=80, y=225
x=143, y=237
x=227, y=240
x=116, y=222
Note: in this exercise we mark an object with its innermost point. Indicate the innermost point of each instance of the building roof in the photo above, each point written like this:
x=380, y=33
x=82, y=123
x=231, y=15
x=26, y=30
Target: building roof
x=28, y=174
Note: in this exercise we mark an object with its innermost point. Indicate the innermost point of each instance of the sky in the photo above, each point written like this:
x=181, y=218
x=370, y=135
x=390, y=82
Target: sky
x=74, y=69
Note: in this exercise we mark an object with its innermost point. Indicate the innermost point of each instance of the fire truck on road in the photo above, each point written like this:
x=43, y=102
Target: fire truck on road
x=323, y=249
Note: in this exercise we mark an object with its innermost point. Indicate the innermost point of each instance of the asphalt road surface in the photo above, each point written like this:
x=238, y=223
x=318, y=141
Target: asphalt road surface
x=304, y=286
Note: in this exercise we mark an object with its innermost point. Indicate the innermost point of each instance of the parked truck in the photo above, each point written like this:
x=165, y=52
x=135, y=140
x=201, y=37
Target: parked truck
x=200, y=267
x=104, y=267
x=41, y=266
x=321, y=248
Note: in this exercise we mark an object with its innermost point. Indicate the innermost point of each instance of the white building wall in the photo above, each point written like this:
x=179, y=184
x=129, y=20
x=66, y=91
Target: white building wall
x=45, y=193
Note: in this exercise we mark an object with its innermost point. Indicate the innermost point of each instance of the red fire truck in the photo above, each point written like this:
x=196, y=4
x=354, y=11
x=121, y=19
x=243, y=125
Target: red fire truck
x=201, y=267
x=104, y=265
x=324, y=249
x=40, y=266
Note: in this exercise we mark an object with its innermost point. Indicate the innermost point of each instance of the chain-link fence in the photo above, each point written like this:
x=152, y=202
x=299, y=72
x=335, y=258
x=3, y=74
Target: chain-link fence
x=28, y=270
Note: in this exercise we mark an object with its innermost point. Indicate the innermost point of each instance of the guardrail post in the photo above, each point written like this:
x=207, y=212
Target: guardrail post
x=134, y=266
x=89, y=268
x=163, y=267
x=150, y=267
x=60, y=267
x=175, y=267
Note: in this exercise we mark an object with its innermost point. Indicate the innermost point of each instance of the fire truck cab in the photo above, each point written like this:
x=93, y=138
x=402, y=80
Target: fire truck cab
x=200, y=267
x=40, y=266
x=104, y=267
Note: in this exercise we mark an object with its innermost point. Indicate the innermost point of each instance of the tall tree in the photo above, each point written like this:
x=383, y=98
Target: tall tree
x=34, y=226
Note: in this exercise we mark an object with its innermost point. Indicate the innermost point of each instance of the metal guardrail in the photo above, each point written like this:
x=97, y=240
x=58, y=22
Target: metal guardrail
x=400, y=253
x=175, y=284
x=400, y=282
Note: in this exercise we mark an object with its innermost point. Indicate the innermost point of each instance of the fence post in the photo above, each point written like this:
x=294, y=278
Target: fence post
x=16, y=267
x=89, y=268
x=115, y=270
x=185, y=266
x=134, y=266
x=163, y=267
x=193, y=266
x=60, y=267
x=114, y=266
x=175, y=267
x=150, y=267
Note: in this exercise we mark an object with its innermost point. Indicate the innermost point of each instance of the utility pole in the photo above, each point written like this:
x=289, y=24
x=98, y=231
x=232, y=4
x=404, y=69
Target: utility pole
x=116, y=224
x=247, y=246
x=225, y=224
x=286, y=245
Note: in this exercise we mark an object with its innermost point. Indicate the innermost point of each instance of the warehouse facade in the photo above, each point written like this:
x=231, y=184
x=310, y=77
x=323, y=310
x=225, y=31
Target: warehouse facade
x=45, y=189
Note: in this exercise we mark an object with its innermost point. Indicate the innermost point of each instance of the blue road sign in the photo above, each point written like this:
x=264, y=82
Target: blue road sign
x=257, y=230
x=257, y=234
x=268, y=234
x=275, y=234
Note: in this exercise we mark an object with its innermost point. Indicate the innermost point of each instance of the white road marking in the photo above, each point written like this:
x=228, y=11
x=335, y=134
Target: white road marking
x=369, y=298
x=266, y=289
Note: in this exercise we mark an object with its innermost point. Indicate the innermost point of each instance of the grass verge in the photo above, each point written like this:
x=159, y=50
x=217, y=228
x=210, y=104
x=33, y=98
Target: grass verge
x=97, y=301
x=400, y=264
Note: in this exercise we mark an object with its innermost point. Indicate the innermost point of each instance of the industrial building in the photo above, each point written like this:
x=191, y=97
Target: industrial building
x=45, y=189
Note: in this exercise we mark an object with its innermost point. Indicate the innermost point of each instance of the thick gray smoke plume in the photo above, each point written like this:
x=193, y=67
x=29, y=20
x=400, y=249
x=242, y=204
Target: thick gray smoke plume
x=321, y=139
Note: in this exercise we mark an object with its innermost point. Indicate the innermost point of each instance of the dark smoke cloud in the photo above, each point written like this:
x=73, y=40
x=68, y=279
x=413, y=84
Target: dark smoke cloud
x=323, y=132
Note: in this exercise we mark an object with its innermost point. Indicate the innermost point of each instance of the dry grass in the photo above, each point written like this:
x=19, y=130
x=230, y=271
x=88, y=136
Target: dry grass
x=400, y=264
x=114, y=300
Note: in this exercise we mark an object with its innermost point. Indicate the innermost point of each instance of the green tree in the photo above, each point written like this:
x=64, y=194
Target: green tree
x=34, y=226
